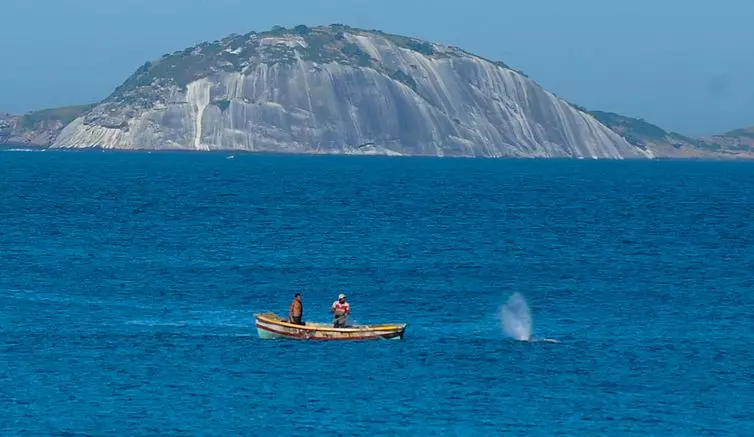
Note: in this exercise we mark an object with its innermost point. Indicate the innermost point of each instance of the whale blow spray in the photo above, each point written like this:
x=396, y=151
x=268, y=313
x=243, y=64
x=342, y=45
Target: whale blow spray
x=516, y=318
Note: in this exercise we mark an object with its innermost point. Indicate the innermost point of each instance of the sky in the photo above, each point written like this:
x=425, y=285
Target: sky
x=685, y=65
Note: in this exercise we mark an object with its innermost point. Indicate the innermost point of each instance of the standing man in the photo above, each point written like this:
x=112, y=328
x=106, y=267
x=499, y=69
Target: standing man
x=296, y=310
x=341, y=310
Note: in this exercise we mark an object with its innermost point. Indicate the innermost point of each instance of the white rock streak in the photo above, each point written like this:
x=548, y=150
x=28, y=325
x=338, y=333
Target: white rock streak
x=198, y=96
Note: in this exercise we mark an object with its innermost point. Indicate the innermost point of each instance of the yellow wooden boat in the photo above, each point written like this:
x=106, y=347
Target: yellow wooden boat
x=270, y=325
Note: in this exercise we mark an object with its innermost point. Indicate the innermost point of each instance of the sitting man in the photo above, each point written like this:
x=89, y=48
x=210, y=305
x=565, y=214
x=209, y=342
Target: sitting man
x=296, y=310
x=340, y=309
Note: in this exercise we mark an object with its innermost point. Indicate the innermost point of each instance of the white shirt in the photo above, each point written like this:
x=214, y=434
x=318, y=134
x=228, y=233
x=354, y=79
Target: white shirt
x=341, y=306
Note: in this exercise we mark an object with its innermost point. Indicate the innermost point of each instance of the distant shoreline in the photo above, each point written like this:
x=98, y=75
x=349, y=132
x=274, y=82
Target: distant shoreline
x=231, y=152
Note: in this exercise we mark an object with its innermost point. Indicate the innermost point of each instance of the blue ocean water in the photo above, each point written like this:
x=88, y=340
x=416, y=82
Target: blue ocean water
x=128, y=283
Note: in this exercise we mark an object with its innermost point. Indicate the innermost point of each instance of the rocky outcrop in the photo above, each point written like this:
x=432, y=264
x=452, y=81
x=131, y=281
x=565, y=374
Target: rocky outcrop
x=739, y=142
x=335, y=89
x=39, y=128
x=732, y=145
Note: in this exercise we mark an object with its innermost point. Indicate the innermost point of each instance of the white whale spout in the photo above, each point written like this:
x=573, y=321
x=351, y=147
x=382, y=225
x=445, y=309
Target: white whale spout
x=516, y=318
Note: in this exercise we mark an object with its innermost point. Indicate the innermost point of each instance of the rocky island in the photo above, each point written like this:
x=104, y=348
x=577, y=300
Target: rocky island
x=340, y=90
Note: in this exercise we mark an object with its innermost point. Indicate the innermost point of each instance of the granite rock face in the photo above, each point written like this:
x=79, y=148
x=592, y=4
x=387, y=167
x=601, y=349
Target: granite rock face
x=335, y=89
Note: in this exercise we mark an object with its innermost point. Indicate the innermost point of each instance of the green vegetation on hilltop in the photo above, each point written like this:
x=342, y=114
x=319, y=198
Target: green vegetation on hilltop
x=64, y=115
x=151, y=82
x=240, y=53
x=354, y=52
x=745, y=132
x=643, y=134
x=637, y=126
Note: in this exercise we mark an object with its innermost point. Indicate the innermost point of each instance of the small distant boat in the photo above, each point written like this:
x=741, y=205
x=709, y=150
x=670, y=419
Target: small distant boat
x=270, y=325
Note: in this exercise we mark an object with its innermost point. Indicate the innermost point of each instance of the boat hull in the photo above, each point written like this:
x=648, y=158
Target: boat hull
x=271, y=326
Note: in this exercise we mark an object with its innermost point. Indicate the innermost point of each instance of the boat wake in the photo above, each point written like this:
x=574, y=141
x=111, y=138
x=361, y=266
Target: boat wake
x=516, y=320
